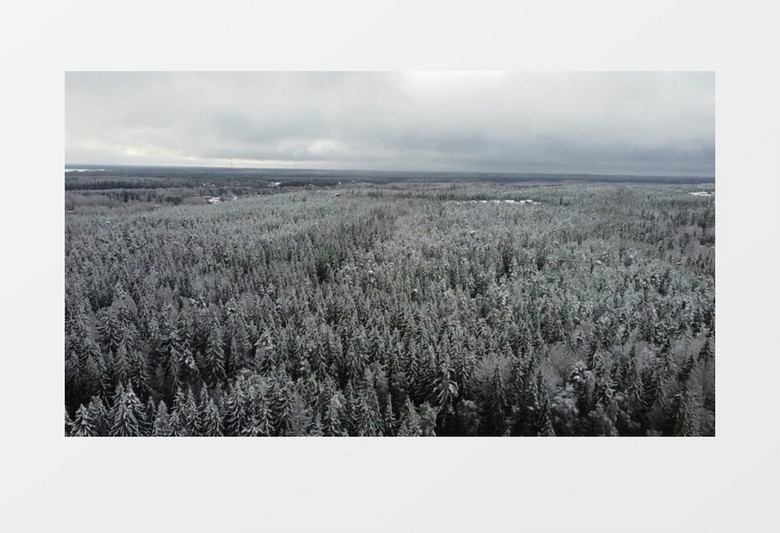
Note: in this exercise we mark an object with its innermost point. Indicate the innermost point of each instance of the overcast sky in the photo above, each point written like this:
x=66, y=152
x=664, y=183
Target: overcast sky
x=610, y=123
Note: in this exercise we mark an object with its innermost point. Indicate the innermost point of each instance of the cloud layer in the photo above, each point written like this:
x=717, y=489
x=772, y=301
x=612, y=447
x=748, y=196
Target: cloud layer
x=612, y=123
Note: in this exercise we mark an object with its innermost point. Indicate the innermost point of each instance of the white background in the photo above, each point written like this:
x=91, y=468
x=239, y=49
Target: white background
x=725, y=483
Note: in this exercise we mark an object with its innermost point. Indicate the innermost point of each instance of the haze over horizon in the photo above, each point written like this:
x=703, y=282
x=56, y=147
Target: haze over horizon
x=628, y=123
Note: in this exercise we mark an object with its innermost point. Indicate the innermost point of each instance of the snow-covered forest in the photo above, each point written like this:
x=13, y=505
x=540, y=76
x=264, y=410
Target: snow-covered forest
x=392, y=309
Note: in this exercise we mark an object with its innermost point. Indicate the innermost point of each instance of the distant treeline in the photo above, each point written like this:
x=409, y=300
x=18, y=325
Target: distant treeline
x=194, y=175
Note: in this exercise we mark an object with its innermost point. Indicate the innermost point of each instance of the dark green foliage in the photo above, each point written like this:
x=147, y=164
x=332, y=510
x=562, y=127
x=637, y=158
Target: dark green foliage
x=407, y=309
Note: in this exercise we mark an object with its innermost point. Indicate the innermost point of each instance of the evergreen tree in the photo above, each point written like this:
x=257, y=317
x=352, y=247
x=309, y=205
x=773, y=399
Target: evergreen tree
x=300, y=418
x=82, y=425
x=686, y=423
x=252, y=429
x=542, y=422
x=496, y=415
x=214, y=357
x=110, y=331
x=125, y=414
x=428, y=420
x=162, y=426
x=388, y=427
x=147, y=426
x=281, y=406
x=445, y=390
x=316, y=427
x=368, y=419
x=137, y=372
x=706, y=354
x=410, y=421
x=98, y=416
x=262, y=420
x=68, y=423
x=176, y=426
x=333, y=425
x=186, y=411
x=120, y=365
x=235, y=416
x=209, y=421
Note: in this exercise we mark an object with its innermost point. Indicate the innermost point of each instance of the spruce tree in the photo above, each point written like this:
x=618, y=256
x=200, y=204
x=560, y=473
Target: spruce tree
x=68, y=423
x=98, y=416
x=389, y=419
x=234, y=415
x=138, y=374
x=210, y=423
x=176, y=426
x=316, y=427
x=410, y=421
x=368, y=420
x=252, y=429
x=187, y=412
x=120, y=365
x=445, y=390
x=109, y=330
x=428, y=420
x=542, y=423
x=262, y=419
x=497, y=405
x=82, y=425
x=214, y=357
x=162, y=422
x=686, y=422
x=125, y=413
x=332, y=422
x=281, y=406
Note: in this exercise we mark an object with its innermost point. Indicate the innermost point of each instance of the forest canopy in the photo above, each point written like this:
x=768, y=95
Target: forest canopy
x=388, y=309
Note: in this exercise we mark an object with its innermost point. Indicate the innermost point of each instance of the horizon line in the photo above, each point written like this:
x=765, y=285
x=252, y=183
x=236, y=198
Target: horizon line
x=288, y=169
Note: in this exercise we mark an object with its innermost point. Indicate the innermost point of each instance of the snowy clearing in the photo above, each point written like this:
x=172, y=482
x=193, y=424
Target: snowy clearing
x=514, y=202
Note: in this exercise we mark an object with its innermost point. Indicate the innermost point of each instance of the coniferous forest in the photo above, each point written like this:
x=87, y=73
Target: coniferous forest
x=388, y=308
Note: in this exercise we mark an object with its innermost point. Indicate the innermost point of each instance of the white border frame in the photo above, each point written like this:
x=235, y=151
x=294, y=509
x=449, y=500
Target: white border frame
x=725, y=483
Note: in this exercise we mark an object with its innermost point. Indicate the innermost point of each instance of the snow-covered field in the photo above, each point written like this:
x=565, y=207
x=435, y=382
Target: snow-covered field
x=516, y=202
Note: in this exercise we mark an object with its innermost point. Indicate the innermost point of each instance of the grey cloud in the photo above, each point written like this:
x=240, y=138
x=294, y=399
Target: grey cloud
x=638, y=123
